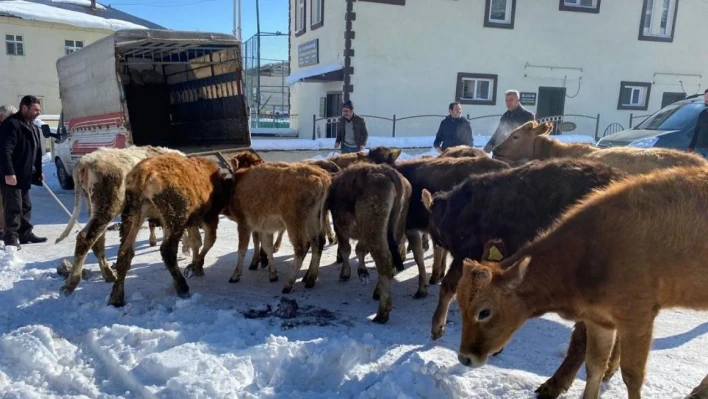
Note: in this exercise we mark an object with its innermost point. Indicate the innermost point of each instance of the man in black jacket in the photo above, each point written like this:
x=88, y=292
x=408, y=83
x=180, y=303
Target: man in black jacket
x=21, y=166
x=454, y=130
x=699, y=143
x=515, y=116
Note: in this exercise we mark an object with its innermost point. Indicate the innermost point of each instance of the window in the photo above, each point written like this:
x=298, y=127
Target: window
x=316, y=14
x=499, y=14
x=299, y=17
x=634, y=95
x=474, y=88
x=14, y=45
x=72, y=45
x=658, y=20
x=591, y=6
x=673, y=117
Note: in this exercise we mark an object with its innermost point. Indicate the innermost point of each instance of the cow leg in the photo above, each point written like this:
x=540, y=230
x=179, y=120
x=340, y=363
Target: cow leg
x=614, y=364
x=447, y=294
x=244, y=234
x=99, y=250
x=344, y=250
x=172, y=235
x=331, y=237
x=418, y=254
x=563, y=378
x=85, y=240
x=317, y=243
x=186, y=242
x=297, y=232
x=361, y=251
x=131, y=220
x=599, y=347
x=258, y=253
x=426, y=241
x=701, y=391
x=267, y=249
x=278, y=241
x=196, y=267
x=384, y=266
x=635, y=344
x=153, y=237
x=439, y=255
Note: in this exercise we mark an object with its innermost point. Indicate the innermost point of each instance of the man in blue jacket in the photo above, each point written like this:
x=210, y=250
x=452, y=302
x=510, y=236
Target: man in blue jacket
x=21, y=167
x=454, y=130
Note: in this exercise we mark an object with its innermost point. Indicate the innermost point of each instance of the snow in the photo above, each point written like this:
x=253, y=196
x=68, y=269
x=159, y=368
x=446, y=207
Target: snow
x=45, y=13
x=85, y=3
x=160, y=346
x=314, y=71
x=374, y=141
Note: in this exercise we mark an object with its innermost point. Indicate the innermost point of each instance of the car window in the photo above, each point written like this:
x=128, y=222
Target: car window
x=673, y=117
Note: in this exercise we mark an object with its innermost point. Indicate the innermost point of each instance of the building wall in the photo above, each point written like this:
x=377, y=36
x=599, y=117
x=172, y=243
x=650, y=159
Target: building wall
x=305, y=97
x=410, y=67
x=35, y=73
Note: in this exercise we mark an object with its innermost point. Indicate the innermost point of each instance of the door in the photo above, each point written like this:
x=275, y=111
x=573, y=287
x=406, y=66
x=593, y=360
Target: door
x=551, y=102
x=669, y=98
x=334, y=111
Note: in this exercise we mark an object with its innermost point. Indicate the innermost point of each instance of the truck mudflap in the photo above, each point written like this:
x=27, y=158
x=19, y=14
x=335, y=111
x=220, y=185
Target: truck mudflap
x=222, y=157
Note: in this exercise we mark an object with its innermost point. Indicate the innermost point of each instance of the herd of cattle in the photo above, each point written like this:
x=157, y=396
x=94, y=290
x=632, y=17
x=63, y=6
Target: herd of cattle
x=605, y=237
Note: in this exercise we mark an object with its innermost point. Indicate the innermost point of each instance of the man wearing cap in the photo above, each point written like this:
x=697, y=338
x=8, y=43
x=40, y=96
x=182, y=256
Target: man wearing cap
x=351, y=131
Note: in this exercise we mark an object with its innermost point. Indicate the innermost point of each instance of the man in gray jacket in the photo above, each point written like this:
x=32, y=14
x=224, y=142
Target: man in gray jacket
x=351, y=130
x=515, y=116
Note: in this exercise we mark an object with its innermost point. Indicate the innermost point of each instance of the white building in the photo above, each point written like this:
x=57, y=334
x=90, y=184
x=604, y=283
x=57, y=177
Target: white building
x=408, y=58
x=37, y=33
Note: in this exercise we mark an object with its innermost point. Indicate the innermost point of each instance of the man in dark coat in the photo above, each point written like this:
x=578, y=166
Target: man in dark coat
x=515, y=116
x=351, y=130
x=21, y=166
x=454, y=130
x=699, y=142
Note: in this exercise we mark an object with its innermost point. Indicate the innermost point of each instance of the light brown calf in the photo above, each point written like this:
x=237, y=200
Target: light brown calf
x=701, y=391
x=612, y=261
x=183, y=193
x=531, y=141
x=276, y=196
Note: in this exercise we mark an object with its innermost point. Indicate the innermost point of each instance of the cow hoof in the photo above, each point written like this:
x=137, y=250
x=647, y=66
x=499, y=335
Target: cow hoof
x=193, y=271
x=286, y=290
x=426, y=245
x=309, y=284
x=420, y=294
x=86, y=275
x=117, y=303
x=498, y=353
x=273, y=278
x=184, y=293
x=363, y=276
x=437, y=333
x=253, y=266
x=234, y=280
x=333, y=241
x=549, y=390
x=66, y=290
x=434, y=280
x=344, y=278
x=380, y=319
x=276, y=248
x=153, y=243
x=376, y=296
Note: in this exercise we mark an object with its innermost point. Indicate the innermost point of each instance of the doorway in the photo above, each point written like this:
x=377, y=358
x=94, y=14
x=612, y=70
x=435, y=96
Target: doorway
x=334, y=110
x=551, y=102
x=669, y=98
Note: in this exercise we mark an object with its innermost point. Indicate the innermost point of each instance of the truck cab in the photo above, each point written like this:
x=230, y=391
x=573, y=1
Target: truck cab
x=182, y=90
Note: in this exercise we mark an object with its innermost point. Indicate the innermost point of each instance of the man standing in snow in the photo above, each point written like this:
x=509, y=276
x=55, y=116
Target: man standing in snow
x=515, y=116
x=699, y=143
x=21, y=166
x=351, y=131
x=454, y=130
x=5, y=111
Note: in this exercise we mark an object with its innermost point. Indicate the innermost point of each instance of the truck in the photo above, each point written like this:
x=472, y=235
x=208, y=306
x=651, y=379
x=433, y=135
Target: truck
x=177, y=89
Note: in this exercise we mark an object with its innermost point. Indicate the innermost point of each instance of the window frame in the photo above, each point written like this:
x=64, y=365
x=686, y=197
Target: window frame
x=466, y=76
x=313, y=23
x=74, y=46
x=15, y=42
x=300, y=18
x=651, y=37
x=562, y=6
x=646, y=86
x=511, y=10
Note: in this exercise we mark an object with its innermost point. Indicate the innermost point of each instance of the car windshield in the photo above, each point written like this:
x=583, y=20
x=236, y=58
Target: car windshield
x=673, y=117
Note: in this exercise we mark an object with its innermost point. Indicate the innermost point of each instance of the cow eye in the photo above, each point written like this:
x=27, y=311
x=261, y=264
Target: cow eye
x=484, y=314
x=515, y=137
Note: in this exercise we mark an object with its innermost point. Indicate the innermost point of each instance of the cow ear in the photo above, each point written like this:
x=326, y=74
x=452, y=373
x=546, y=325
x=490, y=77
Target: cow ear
x=514, y=275
x=544, y=128
x=494, y=250
x=395, y=153
x=427, y=199
x=481, y=275
x=234, y=163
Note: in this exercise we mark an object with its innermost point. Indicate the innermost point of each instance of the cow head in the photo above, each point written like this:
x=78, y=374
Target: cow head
x=380, y=155
x=520, y=143
x=245, y=159
x=490, y=307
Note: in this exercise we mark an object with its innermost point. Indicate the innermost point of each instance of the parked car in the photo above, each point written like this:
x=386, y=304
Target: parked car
x=669, y=127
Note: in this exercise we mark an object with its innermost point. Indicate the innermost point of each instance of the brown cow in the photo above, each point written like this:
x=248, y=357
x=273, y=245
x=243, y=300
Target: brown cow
x=638, y=262
x=369, y=203
x=183, y=193
x=276, y=196
x=701, y=391
x=531, y=141
x=462, y=151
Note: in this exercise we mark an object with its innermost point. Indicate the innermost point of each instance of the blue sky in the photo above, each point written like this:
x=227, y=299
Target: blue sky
x=216, y=16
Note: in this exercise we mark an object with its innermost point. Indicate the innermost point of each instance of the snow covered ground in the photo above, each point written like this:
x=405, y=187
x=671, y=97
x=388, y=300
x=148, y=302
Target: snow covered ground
x=159, y=346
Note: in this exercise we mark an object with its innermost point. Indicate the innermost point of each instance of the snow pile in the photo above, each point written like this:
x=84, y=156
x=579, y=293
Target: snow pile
x=233, y=340
x=85, y=3
x=45, y=13
x=374, y=141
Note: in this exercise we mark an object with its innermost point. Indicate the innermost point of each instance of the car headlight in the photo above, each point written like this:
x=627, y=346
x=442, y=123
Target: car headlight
x=644, y=143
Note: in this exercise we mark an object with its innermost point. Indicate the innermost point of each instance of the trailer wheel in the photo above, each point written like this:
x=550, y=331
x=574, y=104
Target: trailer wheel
x=65, y=181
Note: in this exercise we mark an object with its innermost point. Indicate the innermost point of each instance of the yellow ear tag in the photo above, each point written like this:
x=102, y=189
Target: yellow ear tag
x=494, y=254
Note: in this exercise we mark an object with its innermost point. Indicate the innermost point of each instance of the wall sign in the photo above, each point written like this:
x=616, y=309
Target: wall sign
x=567, y=126
x=308, y=53
x=528, y=98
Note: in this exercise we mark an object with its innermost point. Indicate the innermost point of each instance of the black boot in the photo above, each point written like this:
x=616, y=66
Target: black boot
x=32, y=239
x=12, y=242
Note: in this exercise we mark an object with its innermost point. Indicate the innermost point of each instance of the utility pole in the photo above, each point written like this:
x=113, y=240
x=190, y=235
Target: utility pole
x=237, y=19
x=258, y=61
